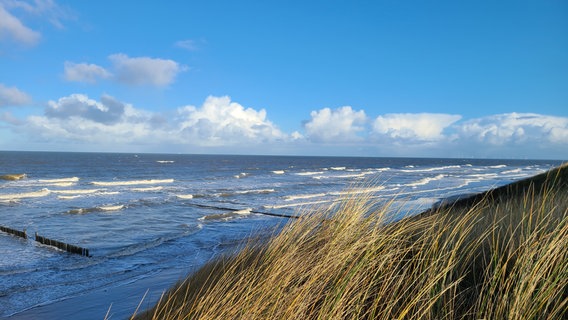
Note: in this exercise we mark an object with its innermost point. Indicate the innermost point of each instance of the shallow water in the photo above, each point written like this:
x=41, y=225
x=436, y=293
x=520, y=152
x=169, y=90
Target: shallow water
x=139, y=214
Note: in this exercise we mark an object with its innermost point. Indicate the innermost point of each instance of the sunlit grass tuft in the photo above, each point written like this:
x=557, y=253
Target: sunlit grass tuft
x=502, y=256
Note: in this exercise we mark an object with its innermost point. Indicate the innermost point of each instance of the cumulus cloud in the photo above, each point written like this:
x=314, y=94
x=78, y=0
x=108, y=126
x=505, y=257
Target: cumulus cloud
x=12, y=28
x=12, y=96
x=515, y=128
x=107, y=111
x=144, y=70
x=339, y=125
x=84, y=72
x=220, y=121
x=413, y=127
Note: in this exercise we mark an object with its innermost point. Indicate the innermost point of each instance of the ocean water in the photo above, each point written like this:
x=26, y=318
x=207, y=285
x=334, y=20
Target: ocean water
x=139, y=214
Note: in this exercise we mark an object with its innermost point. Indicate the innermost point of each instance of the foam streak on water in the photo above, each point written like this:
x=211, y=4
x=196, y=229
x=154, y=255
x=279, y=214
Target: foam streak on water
x=138, y=214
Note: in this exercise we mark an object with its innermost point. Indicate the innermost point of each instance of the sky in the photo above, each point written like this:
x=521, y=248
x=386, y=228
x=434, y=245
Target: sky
x=460, y=79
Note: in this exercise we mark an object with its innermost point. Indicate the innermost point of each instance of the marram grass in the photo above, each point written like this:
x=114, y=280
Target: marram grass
x=502, y=256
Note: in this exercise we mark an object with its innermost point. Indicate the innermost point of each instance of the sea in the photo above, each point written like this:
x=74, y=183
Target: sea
x=140, y=214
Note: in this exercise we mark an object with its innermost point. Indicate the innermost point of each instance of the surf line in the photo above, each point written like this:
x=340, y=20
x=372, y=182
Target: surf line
x=252, y=211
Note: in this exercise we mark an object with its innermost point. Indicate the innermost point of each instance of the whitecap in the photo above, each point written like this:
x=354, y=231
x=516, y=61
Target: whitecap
x=111, y=208
x=185, y=196
x=338, y=168
x=243, y=211
x=71, y=179
x=304, y=196
x=425, y=181
x=76, y=191
x=165, y=161
x=34, y=194
x=68, y=197
x=278, y=171
x=357, y=191
x=158, y=188
x=131, y=182
x=511, y=171
x=433, y=169
x=308, y=173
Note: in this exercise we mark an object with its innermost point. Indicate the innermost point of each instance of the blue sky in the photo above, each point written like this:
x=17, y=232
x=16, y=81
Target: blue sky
x=353, y=78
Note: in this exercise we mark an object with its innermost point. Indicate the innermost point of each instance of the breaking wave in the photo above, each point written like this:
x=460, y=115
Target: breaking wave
x=76, y=191
x=278, y=171
x=96, y=209
x=308, y=173
x=131, y=182
x=34, y=194
x=304, y=196
x=158, y=188
x=165, y=161
x=430, y=169
x=424, y=181
x=71, y=179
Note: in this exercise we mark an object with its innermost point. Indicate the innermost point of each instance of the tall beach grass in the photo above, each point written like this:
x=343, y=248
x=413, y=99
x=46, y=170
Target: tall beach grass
x=499, y=255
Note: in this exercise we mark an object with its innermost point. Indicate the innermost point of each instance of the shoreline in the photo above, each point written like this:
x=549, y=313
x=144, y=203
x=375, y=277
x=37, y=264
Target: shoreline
x=123, y=299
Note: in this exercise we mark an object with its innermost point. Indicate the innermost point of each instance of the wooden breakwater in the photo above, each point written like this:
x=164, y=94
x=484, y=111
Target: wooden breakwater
x=17, y=233
x=62, y=245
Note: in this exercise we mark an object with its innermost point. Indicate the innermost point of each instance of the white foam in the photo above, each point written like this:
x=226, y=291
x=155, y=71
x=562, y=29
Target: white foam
x=511, y=171
x=432, y=169
x=243, y=211
x=357, y=191
x=59, y=184
x=308, y=173
x=261, y=191
x=68, y=197
x=241, y=175
x=297, y=204
x=165, y=161
x=111, y=208
x=498, y=166
x=71, y=179
x=278, y=171
x=131, y=182
x=35, y=194
x=76, y=191
x=344, y=176
x=304, y=196
x=185, y=196
x=424, y=181
x=158, y=188
x=338, y=168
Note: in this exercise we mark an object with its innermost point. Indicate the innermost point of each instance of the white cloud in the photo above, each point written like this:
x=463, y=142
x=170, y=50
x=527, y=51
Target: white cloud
x=108, y=111
x=144, y=70
x=12, y=96
x=219, y=121
x=12, y=28
x=84, y=72
x=516, y=128
x=339, y=125
x=413, y=127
